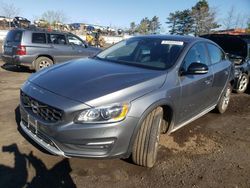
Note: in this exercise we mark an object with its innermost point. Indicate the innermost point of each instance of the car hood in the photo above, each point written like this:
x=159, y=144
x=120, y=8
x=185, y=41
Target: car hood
x=94, y=81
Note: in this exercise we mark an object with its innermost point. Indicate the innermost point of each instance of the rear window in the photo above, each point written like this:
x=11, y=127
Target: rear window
x=215, y=53
x=39, y=38
x=14, y=36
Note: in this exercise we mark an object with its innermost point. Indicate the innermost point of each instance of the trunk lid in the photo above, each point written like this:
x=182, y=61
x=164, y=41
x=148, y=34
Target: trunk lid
x=11, y=42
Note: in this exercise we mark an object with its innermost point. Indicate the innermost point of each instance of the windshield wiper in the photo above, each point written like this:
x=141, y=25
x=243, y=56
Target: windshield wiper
x=95, y=57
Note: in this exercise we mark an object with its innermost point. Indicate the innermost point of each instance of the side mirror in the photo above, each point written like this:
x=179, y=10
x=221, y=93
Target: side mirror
x=197, y=68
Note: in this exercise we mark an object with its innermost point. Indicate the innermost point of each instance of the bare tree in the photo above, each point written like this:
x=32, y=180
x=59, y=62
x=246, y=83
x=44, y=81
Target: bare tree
x=240, y=21
x=54, y=16
x=9, y=11
x=229, y=20
x=234, y=19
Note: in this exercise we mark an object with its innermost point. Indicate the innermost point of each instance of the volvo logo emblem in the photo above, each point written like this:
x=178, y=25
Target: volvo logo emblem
x=34, y=106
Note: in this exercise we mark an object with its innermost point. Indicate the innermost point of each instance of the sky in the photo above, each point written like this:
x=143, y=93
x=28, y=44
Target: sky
x=120, y=13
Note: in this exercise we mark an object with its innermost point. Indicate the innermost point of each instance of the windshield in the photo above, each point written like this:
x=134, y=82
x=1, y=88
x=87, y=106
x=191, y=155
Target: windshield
x=151, y=53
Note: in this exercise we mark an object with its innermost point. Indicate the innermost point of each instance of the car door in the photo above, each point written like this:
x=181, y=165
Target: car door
x=221, y=69
x=195, y=89
x=60, y=49
x=79, y=47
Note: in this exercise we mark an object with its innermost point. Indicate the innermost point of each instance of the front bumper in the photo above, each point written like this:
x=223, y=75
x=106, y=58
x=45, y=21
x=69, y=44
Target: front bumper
x=90, y=141
x=41, y=140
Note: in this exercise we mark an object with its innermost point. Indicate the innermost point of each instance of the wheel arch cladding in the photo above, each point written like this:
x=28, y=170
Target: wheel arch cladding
x=168, y=116
x=46, y=55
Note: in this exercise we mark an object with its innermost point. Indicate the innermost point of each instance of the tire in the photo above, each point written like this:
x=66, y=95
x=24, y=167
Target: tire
x=164, y=127
x=242, y=83
x=42, y=62
x=145, y=147
x=224, y=100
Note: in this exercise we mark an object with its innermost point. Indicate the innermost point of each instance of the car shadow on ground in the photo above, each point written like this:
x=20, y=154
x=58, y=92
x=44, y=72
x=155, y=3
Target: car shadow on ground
x=248, y=89
x=17, y=176
x=15, y=68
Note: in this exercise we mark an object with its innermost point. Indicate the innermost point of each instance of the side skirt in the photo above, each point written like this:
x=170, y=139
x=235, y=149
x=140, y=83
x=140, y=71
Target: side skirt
x=174, y=128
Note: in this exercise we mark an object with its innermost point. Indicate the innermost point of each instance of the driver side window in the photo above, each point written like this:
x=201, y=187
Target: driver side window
x=197, y=54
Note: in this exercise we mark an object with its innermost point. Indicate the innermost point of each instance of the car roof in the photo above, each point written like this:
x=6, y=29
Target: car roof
x=184, y=38
x=40, y=30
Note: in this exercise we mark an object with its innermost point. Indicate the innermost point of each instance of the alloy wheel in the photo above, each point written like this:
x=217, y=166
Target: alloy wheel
x=243, y=83
x=226, y=98
x=44, y=64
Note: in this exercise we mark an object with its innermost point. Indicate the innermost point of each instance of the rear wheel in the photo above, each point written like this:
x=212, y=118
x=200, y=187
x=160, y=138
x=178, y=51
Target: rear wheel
x=42, y=62
x=224, y=100
x=147, y=140
x=242, y=84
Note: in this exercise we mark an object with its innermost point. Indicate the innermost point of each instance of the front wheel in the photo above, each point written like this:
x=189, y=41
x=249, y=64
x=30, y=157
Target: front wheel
x=147, y=140
x=224, y=100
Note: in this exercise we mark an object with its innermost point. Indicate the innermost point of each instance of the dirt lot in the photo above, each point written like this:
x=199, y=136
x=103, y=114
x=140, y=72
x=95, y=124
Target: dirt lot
x=213, y=151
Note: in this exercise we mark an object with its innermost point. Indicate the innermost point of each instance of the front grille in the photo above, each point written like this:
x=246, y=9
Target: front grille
x=37, y=108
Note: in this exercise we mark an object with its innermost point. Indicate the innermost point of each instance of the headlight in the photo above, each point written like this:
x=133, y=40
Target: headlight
x=111, y=113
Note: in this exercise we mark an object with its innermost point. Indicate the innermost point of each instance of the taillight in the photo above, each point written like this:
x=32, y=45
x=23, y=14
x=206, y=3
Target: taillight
x=21, y=50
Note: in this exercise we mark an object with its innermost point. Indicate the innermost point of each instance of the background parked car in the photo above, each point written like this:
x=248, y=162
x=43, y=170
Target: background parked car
x=75, y=26
x=20, y=22
x=38, y=49
x=238, y=51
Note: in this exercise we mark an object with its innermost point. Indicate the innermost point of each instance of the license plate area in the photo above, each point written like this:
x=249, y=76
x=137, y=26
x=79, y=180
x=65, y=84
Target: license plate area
x=8, y=49
x=32, y=124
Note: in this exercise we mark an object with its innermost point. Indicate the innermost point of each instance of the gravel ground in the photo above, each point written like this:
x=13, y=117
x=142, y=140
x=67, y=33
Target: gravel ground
x=213, y=151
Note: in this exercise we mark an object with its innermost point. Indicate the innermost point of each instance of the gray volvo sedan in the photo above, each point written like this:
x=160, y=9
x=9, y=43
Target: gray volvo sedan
x=117, y=103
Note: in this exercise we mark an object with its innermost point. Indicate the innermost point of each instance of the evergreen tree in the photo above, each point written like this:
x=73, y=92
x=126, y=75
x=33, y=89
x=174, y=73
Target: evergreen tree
x=204, y=18
x=154, y=25
x=181, y=22
x=172, y=21
x=144, y=26
x=185, y=22
x=132, y=29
